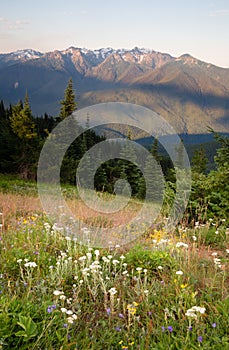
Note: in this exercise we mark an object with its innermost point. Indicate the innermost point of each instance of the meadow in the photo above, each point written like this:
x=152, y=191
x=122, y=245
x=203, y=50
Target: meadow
x=165, y=290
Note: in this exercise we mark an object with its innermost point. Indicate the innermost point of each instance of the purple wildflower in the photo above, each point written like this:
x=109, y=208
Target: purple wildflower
x=170, y=329
x=190, y=328
x=108, y=310
x=118, y=329
x=65, y=325
x=214, y=325
x=121, y=315
x=200, y=339
x=50, y=308
x=163, y=328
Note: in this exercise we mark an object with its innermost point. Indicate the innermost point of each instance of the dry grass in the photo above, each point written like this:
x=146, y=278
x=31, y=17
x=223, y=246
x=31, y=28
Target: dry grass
x=15, y=205
x=12, y=206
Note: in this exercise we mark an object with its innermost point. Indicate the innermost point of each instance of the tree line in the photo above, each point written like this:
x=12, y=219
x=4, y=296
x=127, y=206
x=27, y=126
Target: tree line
x=22, y=137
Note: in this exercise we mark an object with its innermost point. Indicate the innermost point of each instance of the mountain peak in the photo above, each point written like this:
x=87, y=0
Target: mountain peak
x=183, y=90
x=26, y=54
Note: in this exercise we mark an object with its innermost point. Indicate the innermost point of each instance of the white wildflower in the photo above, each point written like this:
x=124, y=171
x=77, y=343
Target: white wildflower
x=30, y=264
x=69, y=312
x=179, y=273
x=104, y=258
x=199, y=309
x=115, y=262
x=89, y=255
x=139, y=269
x=70, y=320
x=57, y=292
x=113, y=291
x=97, y=252
x=181, y=244
x=192, y=312
x=82, y=258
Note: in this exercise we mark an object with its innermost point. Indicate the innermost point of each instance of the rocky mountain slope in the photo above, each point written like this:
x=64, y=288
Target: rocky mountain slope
x=189, y=93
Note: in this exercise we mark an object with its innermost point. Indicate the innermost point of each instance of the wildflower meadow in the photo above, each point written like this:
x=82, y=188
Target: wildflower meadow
x=165, y=290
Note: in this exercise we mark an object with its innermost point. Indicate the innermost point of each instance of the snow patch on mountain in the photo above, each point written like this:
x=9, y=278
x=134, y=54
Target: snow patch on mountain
x=26, y=54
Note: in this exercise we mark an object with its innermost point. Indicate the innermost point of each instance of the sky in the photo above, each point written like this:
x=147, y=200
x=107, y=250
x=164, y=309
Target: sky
x=197, y=27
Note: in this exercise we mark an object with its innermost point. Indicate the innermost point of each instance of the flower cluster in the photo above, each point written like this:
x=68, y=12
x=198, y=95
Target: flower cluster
x=194, y=310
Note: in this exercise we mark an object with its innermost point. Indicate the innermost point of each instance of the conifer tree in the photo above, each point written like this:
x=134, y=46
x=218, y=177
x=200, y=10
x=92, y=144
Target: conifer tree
x=68, y=103
x=199, y=161
x=22, y=122
x=23, y=126
x=154, y=150
x=128, y=169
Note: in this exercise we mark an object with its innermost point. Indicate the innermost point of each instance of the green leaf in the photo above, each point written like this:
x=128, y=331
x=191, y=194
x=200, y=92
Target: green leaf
x=29, y=327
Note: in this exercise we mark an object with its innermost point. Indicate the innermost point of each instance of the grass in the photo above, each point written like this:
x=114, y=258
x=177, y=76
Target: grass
x=56, y=293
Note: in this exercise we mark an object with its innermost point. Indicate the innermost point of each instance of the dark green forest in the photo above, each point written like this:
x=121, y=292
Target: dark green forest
x=23, y=135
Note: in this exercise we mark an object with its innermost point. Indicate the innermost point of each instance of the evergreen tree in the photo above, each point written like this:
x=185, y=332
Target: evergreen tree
x=218, y=181
x=28, y=145
x=154, y=180
x=22, y=122
x=8, y=142
x=199, y=161
x=68, y=103
x=222, y=157
x=154, y=150
x=128, y=169
x=179, y=158
x=2, y=111
x=100, y=176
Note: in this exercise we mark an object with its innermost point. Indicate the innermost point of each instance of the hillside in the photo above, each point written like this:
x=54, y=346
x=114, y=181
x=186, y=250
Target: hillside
x=189, y=93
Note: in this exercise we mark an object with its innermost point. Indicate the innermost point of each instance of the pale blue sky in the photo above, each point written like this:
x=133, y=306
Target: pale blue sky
x=198, y=27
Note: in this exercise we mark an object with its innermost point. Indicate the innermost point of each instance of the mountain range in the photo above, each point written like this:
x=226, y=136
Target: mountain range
x=190, y=94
